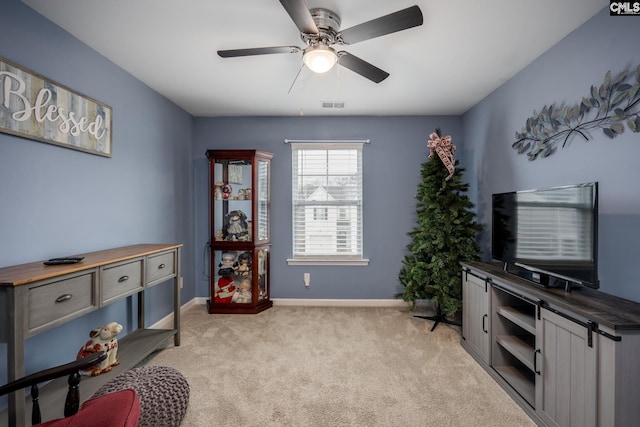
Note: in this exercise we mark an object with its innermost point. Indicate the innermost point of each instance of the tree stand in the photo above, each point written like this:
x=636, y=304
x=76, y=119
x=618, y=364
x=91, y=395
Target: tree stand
x=438, y=318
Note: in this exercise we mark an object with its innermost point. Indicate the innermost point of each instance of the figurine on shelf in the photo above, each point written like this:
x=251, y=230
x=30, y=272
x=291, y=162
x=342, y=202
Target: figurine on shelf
x=247, y=194
x=217, y=190
x=236, y=226
x=226, y=290
x=243, y=294
x=226, y=191
x=243, y=265
x=241, y=194
x=102, y=339
x=226, y=265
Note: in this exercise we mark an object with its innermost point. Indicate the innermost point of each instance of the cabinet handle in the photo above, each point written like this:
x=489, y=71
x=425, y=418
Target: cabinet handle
x=535, y=361
x=484, y=325
x=123, y=279
x=161, y=266
x=64, y=297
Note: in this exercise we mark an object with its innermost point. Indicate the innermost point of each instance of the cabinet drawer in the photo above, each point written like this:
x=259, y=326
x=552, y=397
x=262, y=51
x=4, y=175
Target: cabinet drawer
x=161, y=267
x=57, y=302
x=121, y=280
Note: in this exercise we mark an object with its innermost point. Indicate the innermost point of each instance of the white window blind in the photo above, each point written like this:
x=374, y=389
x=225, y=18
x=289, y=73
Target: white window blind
x=557, y=224
x=327, y=202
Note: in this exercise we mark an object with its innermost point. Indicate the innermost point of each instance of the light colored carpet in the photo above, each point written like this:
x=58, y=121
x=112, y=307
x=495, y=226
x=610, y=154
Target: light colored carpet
x=329, y=366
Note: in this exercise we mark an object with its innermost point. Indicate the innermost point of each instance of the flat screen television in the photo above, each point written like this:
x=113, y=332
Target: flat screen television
x=549, y=236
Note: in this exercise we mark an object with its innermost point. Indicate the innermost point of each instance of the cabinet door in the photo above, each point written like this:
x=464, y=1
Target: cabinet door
x=475, y=315
x=231, y=199
x=566, y=395
x=263, y=234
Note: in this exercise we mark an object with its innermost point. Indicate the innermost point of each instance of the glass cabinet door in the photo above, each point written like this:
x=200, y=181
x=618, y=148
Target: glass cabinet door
x=263, y=273
x=263, y=201
x=240, y=280
x=233, y=278
x=232, y=196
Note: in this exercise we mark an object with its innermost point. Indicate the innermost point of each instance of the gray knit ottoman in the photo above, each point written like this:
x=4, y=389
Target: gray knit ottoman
x=163, y=393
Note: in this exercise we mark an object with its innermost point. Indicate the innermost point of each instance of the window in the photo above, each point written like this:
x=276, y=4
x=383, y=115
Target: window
x=556, y=225
x=327, y=203
x=320, y=214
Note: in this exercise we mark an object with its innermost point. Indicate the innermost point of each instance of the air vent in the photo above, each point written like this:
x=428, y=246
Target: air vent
x=333, y=104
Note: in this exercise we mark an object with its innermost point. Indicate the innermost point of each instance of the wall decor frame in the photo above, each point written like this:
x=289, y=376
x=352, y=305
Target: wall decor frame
x=37, y=108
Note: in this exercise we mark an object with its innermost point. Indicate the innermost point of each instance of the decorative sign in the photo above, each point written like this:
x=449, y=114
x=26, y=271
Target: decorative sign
x=34, y=107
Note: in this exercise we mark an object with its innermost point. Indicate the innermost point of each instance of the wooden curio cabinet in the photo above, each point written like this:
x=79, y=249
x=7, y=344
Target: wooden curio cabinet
x=240, y=222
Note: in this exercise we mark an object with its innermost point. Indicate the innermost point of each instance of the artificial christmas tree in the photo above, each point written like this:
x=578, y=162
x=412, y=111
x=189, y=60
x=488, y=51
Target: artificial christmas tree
x=445, y=234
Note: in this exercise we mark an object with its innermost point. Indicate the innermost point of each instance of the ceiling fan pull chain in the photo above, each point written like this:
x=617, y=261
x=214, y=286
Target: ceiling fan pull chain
x=296, y=78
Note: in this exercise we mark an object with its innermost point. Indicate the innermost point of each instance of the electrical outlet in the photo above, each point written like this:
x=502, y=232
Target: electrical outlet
x=181, y=282
x=307, y=279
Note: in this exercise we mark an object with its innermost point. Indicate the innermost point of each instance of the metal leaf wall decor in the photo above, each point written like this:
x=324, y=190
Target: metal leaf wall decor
x=615, y=102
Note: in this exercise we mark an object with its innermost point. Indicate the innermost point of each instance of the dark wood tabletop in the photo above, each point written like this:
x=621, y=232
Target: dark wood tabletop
x=605, y=309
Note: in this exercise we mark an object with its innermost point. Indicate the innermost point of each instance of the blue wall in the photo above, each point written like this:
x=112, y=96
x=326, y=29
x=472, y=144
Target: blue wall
x=154, y=189
x=58, y=201
x=391, y=169
x=563, y=75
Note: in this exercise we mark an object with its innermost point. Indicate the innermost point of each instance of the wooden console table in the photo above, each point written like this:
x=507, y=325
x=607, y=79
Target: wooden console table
x=35, y=298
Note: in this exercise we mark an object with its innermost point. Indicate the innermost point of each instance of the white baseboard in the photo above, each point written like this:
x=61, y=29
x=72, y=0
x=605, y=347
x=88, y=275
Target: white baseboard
x=167, y=321
x=323, y=302
x=339, y=302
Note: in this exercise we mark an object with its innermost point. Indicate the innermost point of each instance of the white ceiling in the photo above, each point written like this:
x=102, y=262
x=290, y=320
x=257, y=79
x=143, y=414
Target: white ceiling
x=464, y=50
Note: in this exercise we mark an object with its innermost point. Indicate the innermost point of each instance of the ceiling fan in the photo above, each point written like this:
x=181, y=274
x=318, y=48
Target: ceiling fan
x=320, y=30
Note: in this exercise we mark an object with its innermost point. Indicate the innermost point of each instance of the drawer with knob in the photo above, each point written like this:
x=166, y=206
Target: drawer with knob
x=161, y=267
x=121, y=280
x=54, y=302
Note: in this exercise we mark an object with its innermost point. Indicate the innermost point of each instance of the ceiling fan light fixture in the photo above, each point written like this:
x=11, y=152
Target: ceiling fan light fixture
x=319, y=58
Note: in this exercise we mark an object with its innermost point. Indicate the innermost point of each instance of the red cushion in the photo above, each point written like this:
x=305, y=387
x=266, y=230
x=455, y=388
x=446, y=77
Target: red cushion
x=121, y=408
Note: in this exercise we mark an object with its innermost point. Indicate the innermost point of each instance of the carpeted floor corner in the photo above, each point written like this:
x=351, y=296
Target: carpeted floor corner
x=330, y=366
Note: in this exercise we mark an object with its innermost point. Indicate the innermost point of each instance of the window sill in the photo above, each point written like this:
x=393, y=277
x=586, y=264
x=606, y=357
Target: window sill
x=347, y=262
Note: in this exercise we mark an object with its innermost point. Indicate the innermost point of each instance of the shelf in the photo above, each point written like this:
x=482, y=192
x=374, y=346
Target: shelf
x=132, y=350
x=566, y=390
x=151, y=264
x=524, y=386
x=519, y=316
x=519, y=348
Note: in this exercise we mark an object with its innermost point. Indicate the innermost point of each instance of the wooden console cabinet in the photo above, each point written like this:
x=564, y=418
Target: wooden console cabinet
x=35, y=298
x=568, y=359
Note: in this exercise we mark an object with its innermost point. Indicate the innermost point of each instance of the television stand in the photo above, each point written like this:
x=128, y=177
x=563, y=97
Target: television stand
x=561, y=356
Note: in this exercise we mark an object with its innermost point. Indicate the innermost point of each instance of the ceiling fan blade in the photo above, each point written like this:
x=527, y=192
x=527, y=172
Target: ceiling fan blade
x=361, y=67
x=397, y=21
x=299, y=13
x=258, y=51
